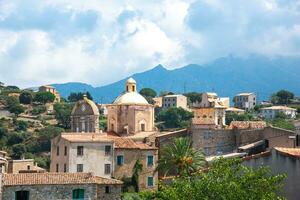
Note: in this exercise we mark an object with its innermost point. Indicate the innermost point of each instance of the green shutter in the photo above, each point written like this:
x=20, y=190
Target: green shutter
x=150, y=181
x=150, y=161
x=78, y=194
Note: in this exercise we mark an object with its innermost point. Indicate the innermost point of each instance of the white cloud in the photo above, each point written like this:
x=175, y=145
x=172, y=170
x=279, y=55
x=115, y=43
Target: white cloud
x=100, y=42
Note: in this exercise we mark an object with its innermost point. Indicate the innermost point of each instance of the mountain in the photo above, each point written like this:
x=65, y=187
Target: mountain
x=227, y=76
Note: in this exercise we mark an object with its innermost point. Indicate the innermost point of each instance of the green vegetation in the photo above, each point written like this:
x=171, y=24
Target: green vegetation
x=282, y=97
x=102, y=122
x=63, y=113
x=74, y=97
x=282, y=122
x=149, y=94
x=26, y=97
x=14, y=105
x=238, y=117
x=174, y=118
x=44, y=97
x=193, y=97
x=181, y=159
x=39, y=109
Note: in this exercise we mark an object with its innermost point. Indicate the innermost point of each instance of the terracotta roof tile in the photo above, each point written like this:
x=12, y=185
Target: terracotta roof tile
x=248, y=124
x=56, y=179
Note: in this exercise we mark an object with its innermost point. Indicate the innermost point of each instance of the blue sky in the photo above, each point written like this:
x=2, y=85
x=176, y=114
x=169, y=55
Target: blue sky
x=100, y=41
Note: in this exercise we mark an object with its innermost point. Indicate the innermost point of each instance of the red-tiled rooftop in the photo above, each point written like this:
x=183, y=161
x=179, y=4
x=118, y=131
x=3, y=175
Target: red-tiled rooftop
x=248, y=124
x=56, y=179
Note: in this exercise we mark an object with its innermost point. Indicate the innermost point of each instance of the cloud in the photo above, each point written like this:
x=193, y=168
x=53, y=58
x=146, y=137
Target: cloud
x=99, y=42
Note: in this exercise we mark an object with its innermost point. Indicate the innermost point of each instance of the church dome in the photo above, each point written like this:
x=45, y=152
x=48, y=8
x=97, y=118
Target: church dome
x=85, y=106
x=131, y=96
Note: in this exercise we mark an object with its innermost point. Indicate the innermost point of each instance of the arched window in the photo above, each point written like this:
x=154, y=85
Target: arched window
x=78, y=194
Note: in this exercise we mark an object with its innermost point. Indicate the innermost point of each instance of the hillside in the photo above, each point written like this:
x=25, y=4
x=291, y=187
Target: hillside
x=226, y=76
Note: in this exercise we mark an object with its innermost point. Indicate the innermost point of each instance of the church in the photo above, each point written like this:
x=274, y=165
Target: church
x=129, y=139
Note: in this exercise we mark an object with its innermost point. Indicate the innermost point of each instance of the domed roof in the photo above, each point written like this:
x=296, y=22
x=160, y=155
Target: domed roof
x=131, y=98
x=90, y=103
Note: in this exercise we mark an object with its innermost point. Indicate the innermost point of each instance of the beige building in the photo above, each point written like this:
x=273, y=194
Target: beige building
x=85, y=117
x=54, y=186
x=130, y=113
x=48, y=88
x=157, y=101
x=273, y=111
x=176, y=100
x=209, y=117
x=129, y=139
x=211, y=99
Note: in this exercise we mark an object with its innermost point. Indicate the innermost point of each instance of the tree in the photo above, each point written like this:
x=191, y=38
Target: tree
x=148, y=92
x=16, y=109
x=225, y=179
x=44, y=97
x=137, y=169
x=63, y=113
x=282, y=97
x=74, y=97
x=18, y=150
x=193, y=97
x=164, y=93
x=238, y=117
x=181, y=158
x=25, y=97
x=175, y=117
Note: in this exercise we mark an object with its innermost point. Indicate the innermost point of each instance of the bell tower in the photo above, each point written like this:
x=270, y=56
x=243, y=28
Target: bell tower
x=131, y=85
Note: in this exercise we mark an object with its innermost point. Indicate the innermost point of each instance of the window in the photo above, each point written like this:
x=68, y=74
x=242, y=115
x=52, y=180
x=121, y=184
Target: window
x=133, y=88
x=78, y=194
x=107, y=150
x=22, y=195
x=66, y=149
x=120, y=160
x=150, y=181
x=107, y=168
x=79, y=167
x=149, y=160
x=28, y=167
x=107, y=189
x=80, y=151
x=57, y=151
x=65, y=167
x=142, y=127
x=57, y=166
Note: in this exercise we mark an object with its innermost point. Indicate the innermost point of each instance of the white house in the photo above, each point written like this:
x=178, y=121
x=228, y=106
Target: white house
x=271, y=112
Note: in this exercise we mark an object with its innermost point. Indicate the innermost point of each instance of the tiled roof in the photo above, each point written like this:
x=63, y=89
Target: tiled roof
x=248, y=124
x=119, y=142
x=56, y=179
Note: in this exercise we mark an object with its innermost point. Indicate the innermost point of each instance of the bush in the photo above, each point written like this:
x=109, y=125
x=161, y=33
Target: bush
x=25, y=97
x=21, y=125
x=175, y=117
x=44, y=97
x=38, y=109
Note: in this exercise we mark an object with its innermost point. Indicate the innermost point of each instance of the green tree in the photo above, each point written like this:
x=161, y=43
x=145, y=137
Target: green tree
x=137, y=169
x=74, y=97
x=238, y=117
x=63, y=113
x=193, y=97
x=45, y=135
x=148, y=92
x=175, y=117
x=21, y=125
x=17, y=109
x=164, y=93
x=44, y=97
x=225, y=179
x=25, y=97
x=282, y=97
x=18, y=150
x=14, y=106
x=181, y=158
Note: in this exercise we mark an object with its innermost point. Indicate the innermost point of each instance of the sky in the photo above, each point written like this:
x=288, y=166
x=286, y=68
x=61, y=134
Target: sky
x=101, y=41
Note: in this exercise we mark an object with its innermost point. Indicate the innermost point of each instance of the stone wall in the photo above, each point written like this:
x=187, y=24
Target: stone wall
x=60, y=192
x=278, y=137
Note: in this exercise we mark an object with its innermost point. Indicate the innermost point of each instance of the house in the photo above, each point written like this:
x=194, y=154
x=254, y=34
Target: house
x=53, y=186
x=209, y=117
x=273, y=111
x=176, y=100
x=246, y=101
x=211, y=99
x=51, y=89
x=130, y=138
x=234, y=110
x=3, y=161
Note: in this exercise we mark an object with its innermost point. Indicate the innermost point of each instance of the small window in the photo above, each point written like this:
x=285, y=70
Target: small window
x=107, y=189
x=22, y=195
x=57, y=150
x=80, y=151
x=79, y=167
x=150, y=181
x=150, y=161
x=107, y=150
x=120, y=160
x=66, y=149
x=57, y=166
x=133, y=88
x=78, y=194
x=28, y=167
x=65, y=167
x=107, y=168
x=143, y=127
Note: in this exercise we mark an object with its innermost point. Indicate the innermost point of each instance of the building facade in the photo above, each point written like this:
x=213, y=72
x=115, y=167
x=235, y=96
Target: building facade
x=53, y=186
x=273, y=111
x=51, y=89
x=246, y=101
x=176, y=100
x=211, y=99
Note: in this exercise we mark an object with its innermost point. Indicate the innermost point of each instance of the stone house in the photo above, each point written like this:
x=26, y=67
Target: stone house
x=211, y=99
x=273, y=111
x=209, y=117
x=176, y=100
x=246, y=101
x=51, y=89
x=54, y=186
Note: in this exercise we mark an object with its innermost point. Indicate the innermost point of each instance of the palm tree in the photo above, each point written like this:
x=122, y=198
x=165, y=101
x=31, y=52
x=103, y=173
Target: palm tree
x=181, y=158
